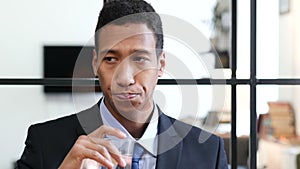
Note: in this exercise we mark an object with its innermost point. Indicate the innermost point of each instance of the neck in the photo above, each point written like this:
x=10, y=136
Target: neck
x=136, y=124
x=135, y=128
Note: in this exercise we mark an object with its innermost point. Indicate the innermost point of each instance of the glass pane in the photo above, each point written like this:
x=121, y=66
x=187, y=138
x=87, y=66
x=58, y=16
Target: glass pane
x=207, y=107
x=203, y=38
x=22, y=106
x=289, y=39
x=217, y=119
x=243, y=125
x=176, y=100
x=243, y=39
x=28, y=26
x=243, y=110
x=242, y=151
x=278, y=127
x=278, y=39
x=267, y=39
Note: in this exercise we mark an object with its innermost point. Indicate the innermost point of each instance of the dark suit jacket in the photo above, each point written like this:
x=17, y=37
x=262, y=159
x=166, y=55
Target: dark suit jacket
x=180, y=146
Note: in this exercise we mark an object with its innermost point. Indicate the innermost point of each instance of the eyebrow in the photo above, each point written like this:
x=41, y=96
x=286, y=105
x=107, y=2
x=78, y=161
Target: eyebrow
x=143, y=51
x=108, y=51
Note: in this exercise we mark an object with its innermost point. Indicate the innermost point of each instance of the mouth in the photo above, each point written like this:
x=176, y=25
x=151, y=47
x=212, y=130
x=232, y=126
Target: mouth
x=126, y=96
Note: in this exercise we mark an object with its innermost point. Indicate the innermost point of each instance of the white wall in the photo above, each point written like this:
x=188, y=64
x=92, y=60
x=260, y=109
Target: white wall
x=267, y=58
x=296, y=57
x=25, y=27
x=289, y=56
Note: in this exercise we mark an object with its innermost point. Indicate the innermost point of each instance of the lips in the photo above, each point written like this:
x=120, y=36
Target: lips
x=126, y=96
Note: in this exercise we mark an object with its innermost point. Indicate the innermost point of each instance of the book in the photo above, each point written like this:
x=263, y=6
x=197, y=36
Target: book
x=281, y=119
x=280, y=108
x=283, y=132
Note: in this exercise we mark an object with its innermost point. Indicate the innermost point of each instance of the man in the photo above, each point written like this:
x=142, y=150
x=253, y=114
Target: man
x=128, y=59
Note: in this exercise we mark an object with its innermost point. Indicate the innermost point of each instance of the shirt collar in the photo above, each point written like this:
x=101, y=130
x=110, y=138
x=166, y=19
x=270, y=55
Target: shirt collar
x=149, y=138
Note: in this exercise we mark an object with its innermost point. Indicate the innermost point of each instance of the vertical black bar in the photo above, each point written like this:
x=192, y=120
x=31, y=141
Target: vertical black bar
x=233, y=143
x=253, y=83
x=233, y=139
x=233, y=38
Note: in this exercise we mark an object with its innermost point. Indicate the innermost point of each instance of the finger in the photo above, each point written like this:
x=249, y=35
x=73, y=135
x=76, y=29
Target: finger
x=90, y=149
x=90, y=164
x=95, y=155
x=104, y=130
x=119, y=159
x=98, y=137
x=100, y=149
x=107, y=150
x=112, y=150
x=107, y=144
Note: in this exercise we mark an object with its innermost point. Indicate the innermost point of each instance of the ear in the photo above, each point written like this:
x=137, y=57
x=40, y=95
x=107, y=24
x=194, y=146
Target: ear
x=95, y=62
x=162, y=63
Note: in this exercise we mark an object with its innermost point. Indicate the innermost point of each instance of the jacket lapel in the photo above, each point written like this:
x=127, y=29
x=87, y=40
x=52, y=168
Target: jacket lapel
x=169, y=144
x=89, y=119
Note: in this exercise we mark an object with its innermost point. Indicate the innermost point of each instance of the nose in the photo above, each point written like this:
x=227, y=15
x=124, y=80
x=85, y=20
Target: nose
x=124, y=74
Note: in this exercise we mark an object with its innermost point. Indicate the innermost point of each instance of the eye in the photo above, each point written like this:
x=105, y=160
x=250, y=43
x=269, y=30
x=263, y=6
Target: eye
x=110, y=59
x=139, y=59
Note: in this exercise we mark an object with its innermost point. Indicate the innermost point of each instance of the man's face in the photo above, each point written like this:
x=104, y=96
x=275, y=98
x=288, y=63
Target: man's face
x=128, y=69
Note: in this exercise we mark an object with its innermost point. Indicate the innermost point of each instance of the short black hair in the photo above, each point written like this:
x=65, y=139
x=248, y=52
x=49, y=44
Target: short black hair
x=115, y=9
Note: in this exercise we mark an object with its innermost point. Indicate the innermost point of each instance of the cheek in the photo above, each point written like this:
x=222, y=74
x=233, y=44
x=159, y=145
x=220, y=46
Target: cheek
x=148, y=79
x=104, y=78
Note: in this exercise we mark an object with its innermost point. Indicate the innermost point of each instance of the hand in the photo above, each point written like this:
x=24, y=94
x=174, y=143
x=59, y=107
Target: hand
x=96, y=148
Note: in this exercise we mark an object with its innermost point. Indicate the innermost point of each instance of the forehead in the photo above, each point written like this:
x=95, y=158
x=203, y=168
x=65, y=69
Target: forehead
x=112, y=34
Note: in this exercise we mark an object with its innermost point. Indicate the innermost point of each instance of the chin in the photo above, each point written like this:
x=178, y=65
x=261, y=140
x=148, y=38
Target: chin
x=130, y=114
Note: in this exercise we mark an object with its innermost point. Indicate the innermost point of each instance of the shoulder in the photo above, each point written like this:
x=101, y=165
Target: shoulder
x=68, y=122
x=65, y=125
x=195, y=140
x=53, y=138
x=186, y=131
x=190, y=133
x=55, y=132
x=48, y=142
x=62, y=122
